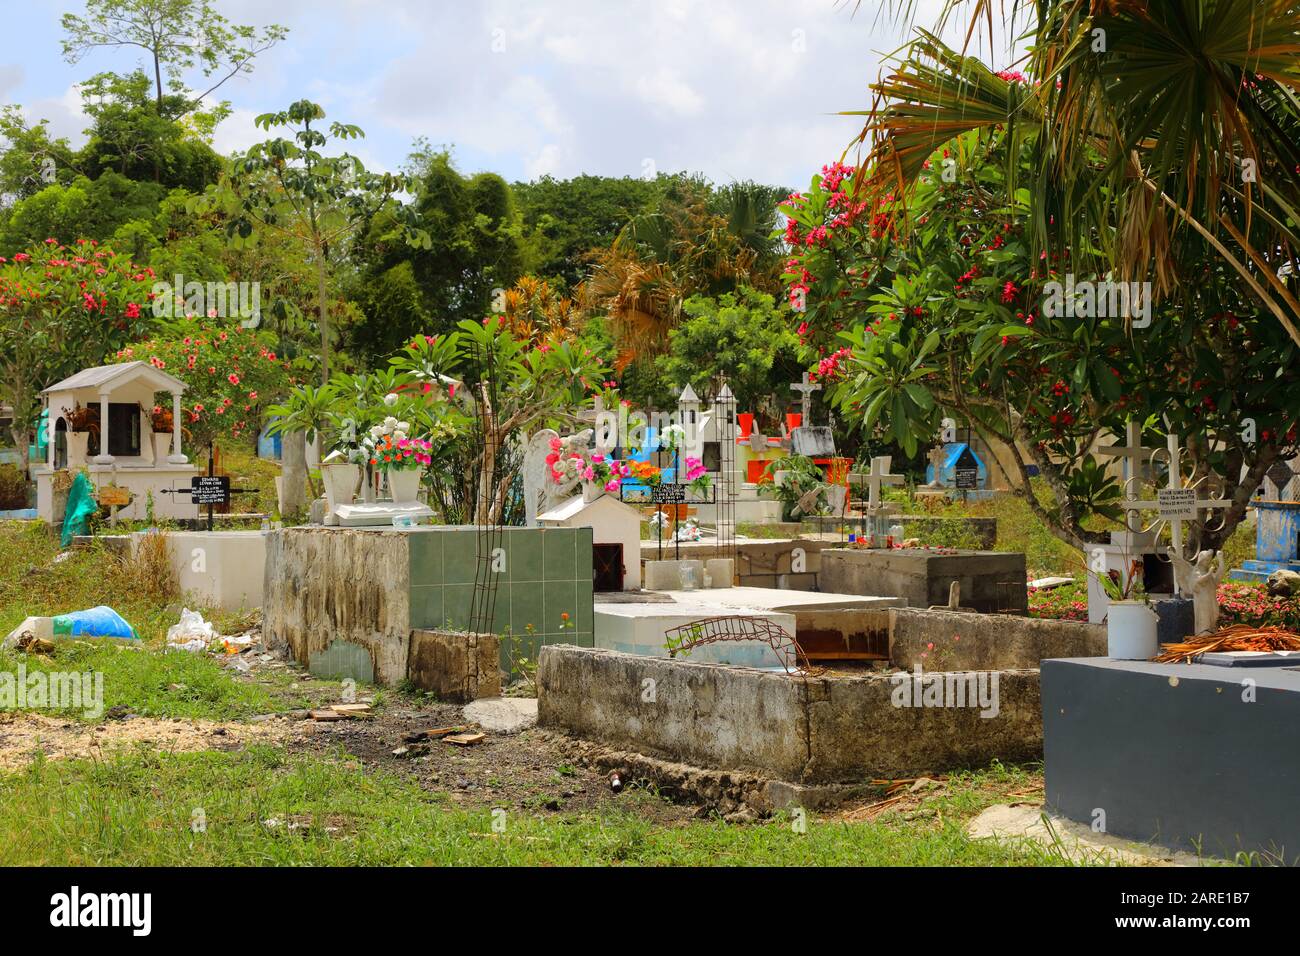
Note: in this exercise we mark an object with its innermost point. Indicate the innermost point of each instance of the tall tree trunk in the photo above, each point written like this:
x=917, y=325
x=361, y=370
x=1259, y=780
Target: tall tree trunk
x=293, y=474
x=324, y=319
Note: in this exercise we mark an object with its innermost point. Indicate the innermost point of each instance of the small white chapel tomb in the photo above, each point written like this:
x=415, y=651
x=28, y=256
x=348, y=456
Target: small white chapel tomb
x=616, y=537
x=101, y=419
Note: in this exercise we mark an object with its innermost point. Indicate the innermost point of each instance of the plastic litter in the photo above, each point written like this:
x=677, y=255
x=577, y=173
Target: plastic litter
x=81, y=505
x=95, y=622
x=191, y=633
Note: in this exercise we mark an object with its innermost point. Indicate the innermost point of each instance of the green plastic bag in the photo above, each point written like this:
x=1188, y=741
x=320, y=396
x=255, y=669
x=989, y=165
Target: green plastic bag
x=81, y=505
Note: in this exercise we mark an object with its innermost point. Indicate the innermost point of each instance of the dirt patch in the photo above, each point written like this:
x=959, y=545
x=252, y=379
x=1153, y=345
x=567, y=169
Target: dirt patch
x=22, y=735
x=529, y=770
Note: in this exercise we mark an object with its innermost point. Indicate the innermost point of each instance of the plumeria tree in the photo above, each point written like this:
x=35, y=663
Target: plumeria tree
x=510, y=387
x=231, y=374
x=942, y=309
x=62, y=309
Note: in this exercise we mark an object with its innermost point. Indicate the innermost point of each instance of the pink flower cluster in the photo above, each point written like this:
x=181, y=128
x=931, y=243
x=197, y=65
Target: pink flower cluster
x=417, y=449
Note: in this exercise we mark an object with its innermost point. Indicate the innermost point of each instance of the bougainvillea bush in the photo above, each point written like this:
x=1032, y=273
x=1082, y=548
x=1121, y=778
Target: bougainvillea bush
x=936, y=309
x=231, y=374
x=1252, y=604
x=62, y=309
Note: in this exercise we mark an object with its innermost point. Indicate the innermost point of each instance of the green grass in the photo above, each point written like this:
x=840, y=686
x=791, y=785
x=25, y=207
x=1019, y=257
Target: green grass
x=137, y=809
x=138, y=675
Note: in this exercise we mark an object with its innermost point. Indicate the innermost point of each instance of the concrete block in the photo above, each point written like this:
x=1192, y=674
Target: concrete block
x=455, y=665
x=966, y=641
x=1178, y=753
x=812, y=731
x=990, y=580
x=721, y=572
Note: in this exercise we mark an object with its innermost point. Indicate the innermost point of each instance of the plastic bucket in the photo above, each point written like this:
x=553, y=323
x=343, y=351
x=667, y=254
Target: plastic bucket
x=1131, y=631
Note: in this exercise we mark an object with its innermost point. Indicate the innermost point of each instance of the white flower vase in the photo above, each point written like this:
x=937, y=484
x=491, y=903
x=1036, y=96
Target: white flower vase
x=340, y=482
x=591, y=491
x=404, y=485
x=78, y=443
x=1131, y=631
x=162, y=446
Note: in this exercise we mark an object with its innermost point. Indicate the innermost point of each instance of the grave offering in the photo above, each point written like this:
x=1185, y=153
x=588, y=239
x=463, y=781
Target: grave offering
x=990, y=581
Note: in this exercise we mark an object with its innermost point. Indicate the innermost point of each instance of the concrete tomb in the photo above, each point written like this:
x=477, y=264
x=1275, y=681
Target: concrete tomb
x=1190, y=756
x=990, y=581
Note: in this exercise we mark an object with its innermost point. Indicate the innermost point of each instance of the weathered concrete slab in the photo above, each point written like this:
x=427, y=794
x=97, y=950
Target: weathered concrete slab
x=990, y=580
x=1072, y=841
x=503, y=715
x=455, y=665
x=642, y=629
x=322, y=586
x=825, y=730
x=786, y=563
x=966, y=641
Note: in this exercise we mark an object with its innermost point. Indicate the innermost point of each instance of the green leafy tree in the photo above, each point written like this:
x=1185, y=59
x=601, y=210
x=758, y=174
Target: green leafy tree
x=962, y=322
x=743, y=337
x=83, y=209
x=291, y=187
x=565, y=219
x=231, y=374
x=177, y=37
x=131, y=135
x=473, y=250
x=30, y=159
x=63, y=309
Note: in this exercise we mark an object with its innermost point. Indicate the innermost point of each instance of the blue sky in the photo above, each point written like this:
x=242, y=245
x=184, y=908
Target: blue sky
x=736, y=89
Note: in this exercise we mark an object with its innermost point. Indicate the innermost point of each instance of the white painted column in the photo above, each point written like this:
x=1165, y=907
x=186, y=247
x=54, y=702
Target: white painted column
x=50, y=432
x=103, y=458
x=177, y=457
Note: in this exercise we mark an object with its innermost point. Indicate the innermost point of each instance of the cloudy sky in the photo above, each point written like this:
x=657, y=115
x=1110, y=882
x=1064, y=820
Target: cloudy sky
x=736, y=89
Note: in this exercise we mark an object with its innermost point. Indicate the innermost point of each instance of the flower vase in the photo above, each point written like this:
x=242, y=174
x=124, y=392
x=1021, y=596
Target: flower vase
x=404, y=484
x=591, y=491
x=162, y=447
x=1131, y=631
x=368, y=485
x=78, y=443
x=340, y=482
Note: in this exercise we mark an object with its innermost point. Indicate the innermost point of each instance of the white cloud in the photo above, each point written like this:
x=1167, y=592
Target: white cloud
x=667, y=92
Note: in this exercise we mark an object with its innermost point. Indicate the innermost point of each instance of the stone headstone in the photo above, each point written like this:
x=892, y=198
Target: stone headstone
x=812, y=441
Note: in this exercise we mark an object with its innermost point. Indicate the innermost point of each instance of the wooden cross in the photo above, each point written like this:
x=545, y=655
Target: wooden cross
x=1133, y=454
x=877, y=476
x=1175, y=508
x=805, y=388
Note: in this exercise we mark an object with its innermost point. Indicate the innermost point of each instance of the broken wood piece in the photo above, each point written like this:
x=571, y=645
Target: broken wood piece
x=352, y=709
x=465, y=740
x=326, y=715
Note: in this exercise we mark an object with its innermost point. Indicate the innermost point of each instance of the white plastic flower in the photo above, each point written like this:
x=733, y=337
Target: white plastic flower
x=390, y=399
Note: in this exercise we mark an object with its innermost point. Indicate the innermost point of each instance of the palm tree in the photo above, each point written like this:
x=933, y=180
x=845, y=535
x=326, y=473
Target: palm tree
x=697, y=240
x=1156, y=122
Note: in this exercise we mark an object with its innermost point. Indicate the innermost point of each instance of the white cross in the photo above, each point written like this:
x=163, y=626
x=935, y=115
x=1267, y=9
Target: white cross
x=806, y=388
x=877, y=476
x=936, y=457
x=1175, y=483
x=1133, y=453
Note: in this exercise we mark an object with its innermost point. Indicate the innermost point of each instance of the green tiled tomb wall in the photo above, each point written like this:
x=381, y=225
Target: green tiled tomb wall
x=546, y=575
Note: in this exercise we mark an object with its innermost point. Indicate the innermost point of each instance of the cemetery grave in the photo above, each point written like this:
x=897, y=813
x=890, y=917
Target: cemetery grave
x=552, y=517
